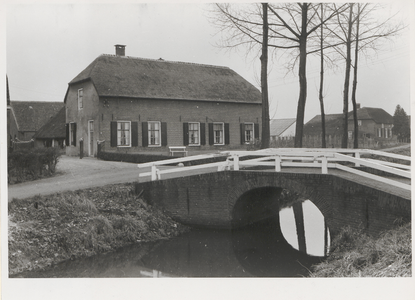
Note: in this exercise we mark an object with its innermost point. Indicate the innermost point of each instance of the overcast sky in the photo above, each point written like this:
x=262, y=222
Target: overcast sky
x=49, y=44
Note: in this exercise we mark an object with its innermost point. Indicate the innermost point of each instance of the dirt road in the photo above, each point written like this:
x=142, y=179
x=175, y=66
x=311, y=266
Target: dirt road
x=75, y=173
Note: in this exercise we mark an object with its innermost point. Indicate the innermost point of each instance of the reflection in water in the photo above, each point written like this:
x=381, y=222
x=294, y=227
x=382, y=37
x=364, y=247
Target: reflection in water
x=316, y=237
x=258, y=250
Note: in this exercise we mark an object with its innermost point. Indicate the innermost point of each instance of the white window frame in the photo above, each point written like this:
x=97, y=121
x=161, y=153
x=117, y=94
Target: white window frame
x=252, y=133
x=359, y=122
x=223, y=134
x=190, y=133
x=80, y=99
x=121, y=130
x=149, y=134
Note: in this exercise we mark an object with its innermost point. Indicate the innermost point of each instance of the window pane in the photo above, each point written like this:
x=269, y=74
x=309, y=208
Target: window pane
x=218, y=133
x=249, y=132
x=194, y=133
x=123, y=133
x=154, y=133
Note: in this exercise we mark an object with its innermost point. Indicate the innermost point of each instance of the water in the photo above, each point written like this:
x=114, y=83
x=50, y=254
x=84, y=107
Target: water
x=266, y=249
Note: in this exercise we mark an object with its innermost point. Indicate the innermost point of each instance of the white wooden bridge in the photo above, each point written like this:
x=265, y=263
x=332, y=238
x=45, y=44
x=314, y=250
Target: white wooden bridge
x=280, y=159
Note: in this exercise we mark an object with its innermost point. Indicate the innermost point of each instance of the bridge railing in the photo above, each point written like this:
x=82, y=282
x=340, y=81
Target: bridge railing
x=278, y=158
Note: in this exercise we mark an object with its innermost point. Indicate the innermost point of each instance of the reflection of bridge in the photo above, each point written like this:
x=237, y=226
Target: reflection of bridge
x=350, y=187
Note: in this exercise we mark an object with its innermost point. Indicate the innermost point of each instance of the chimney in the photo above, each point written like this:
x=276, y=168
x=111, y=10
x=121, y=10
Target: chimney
x=120, y=50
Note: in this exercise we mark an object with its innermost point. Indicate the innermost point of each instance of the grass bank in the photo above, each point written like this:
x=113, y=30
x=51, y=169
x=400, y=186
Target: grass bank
x=354, y=254
x=45, y=230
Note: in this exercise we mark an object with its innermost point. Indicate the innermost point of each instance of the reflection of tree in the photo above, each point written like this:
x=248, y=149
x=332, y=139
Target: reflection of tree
x=262, y=250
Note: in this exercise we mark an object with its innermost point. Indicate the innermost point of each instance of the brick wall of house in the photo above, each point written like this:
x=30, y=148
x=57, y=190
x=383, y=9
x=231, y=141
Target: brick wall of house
x=370, y=129
x=89, y=111
x=174, y=113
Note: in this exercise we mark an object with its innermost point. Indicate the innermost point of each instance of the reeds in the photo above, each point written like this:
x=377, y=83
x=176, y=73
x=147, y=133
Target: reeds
x=354, y=254
x=81, y=223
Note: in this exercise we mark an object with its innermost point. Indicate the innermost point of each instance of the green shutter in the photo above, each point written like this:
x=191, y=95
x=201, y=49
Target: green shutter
x=163, y=133
x=202, y=134
x=211, y=141
x=256, y=131
x=144, y=127
x=134, y=134
x=74, y=134
x=185, y=134
x=113, y=134
x=227, y=137
x=242, y=126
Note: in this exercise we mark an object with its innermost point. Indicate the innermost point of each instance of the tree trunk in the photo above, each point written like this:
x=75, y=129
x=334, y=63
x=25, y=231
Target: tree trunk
x=347, y=79
x=298, y=142
x=356, y=56
x=320, y=94
x=264, y=80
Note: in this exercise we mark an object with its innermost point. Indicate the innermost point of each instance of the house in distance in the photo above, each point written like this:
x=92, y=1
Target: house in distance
x=146, y=105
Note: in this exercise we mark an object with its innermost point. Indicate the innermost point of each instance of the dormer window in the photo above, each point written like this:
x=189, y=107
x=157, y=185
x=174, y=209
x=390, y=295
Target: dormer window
x=80, y=100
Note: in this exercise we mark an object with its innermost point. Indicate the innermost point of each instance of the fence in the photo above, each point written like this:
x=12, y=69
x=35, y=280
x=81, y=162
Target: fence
x=325, y=159
x=22, y=145
x=334, y=142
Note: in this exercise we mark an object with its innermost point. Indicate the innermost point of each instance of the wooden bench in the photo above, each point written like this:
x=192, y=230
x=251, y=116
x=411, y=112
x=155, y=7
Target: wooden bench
x=178, y=149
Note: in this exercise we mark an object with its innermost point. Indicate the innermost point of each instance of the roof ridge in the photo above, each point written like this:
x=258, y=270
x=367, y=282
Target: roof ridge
x=163, y=60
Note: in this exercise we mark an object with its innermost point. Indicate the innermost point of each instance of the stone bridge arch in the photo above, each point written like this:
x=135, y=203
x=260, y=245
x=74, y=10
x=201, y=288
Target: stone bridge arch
x=245, y=209
x=208, y=200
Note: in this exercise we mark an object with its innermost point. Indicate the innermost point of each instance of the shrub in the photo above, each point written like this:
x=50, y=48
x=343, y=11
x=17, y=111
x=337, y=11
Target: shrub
x=32, y=164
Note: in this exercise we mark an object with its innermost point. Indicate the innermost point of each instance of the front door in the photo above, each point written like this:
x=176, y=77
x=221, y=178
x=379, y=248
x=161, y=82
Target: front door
x=91, y=138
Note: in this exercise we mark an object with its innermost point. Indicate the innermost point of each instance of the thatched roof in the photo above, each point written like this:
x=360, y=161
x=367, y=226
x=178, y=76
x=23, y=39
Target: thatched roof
x=378, y=115
x=55, y=128
x=32, y=115
x=333, y=125
x=334, y=122
x=124, y=76
x=278, y=126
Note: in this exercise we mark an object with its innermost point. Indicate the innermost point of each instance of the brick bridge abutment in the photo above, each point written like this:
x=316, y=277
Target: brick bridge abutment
x=235, y=198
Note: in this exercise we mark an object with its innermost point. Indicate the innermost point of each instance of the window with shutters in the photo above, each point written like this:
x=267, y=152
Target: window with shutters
x=154, y=133
x=124, y=133
x=249, y=132
x=194, y=134
x=379, y=132
x=218, y=133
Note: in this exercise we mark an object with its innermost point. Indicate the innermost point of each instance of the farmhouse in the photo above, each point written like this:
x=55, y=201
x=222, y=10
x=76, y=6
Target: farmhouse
x=372, y=122
x=375, y=126
x=144, y=105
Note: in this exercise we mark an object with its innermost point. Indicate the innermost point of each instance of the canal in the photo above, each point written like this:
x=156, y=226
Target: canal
x=281, y=246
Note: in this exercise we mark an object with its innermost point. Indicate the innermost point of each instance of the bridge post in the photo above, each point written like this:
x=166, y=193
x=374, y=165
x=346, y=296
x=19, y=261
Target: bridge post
x=357, y=155
x=277, y=164
x=324, y=169
x=236, y=162
x=153, y=172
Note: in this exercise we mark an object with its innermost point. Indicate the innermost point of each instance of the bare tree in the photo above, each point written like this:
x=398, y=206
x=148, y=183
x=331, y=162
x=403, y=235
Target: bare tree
x=295, y=24
x=320, y=93
x=288, y=30
x=366, y=32
x=264, y=80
